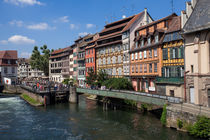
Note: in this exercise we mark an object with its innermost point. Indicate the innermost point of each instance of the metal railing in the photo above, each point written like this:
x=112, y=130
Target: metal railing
x=175, y=80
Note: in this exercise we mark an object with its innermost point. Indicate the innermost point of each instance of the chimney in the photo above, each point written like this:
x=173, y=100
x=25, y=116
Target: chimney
x=145, y=16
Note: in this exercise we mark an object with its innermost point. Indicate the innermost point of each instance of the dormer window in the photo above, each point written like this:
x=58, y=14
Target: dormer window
x=149, y=40
x=156, y=39
x=142, y=43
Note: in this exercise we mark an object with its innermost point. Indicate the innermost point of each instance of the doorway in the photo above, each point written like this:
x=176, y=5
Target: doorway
x=192, y=95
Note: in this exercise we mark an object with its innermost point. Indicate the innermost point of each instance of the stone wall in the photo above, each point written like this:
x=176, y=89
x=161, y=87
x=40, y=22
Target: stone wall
x=186, y=113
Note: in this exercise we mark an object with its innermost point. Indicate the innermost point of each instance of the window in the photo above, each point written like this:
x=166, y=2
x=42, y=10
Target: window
x=86, y=52
x=181, y=71
x=132, y=56
x=173, y=53
x=113, y=60
x=132, y=69
x=108, y=60
x=149, y=41
x=104, y=61
x=99, y=61
x=140, y=69
x=142, y=43
x=155, y=52
x=136, y=68
x=150, y=68
x=119, y=71
x=192, y=69
x=172, y=93
x=114, y=71
x=165, y=54
x=5, y=70
x=181, y=52
x=145, y=54
x=150, y=53
x=145, y=68
x=136, y=55
x=137, y=44
x=140, y=55
x=155, y=67
x=75, y=62
x=119, y=59
x=156, y=39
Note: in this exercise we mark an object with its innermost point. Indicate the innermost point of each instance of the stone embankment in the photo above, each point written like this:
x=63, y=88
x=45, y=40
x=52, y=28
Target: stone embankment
x=185, y=112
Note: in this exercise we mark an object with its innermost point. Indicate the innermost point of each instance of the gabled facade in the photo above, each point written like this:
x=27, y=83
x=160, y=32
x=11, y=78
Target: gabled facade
x=25, y=70
x=146, y=54
x=171, y=83
x=81, y=44
x=196, y=32
x=8, y=66
x=128, y=36
x=90, y=55
x=59, y=65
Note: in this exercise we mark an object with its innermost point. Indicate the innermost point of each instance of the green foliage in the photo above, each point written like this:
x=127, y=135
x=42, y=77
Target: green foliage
x=145, y=106
x=163, y=116
x=179, y=123
x=101, y=77
x=30, y=100
x=91, y=78
x=201, y=128
x=66, y=81
x=131, y=103
x=40, y=60
x=118, y=84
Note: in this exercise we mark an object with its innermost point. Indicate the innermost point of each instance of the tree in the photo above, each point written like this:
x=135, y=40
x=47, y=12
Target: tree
x=91, y=78
x=39, y=60
x=102, y=76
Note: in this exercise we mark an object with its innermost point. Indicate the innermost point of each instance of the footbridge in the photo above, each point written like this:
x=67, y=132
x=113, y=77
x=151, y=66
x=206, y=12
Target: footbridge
x=133, y=95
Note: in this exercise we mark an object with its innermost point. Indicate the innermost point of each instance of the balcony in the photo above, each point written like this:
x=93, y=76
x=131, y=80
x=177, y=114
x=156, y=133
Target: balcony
x=170, y=80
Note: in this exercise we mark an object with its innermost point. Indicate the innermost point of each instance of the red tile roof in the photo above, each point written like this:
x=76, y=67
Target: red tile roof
x=157, y=21
x=8, y=54
x=175, y=25
x=60, y=50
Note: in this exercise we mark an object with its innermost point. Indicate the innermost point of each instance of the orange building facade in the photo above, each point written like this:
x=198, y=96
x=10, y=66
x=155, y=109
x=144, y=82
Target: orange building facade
x=146, y=54
x=90, y=55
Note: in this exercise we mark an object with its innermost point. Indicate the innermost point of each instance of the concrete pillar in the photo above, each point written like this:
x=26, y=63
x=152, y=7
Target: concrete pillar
x=73, y=96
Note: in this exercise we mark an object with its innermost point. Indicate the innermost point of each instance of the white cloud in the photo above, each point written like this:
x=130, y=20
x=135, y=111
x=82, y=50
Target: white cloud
x=19, y=40
x=73, y=26
x=40, y=26
x=83, y=34
x=3, y=42
x=90, y=26
x=25, y=55
x=17, y=23
x=63, y=19
x=24, y=2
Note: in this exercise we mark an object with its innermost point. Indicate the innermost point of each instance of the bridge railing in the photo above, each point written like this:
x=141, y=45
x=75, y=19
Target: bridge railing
x=170, y=99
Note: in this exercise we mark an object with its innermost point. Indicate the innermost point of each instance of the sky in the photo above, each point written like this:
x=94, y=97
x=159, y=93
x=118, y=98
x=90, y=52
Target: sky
x=57, y=23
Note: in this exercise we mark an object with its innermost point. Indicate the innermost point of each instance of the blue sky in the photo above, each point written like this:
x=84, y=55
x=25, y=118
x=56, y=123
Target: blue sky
x=57, y=23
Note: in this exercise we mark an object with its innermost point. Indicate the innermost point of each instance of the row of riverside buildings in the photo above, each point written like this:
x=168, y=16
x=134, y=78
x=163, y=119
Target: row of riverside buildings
x=169, y=56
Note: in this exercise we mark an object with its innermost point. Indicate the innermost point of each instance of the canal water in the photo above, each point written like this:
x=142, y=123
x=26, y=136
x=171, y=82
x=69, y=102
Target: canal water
x=85, y=121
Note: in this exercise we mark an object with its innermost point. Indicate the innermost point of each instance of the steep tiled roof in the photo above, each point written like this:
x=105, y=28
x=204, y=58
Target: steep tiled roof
x=60, y=50
x=110, y=24
x=200, y=17
x=130, y=23
x=157, y=21
x=175, y=25
x=9, y=54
